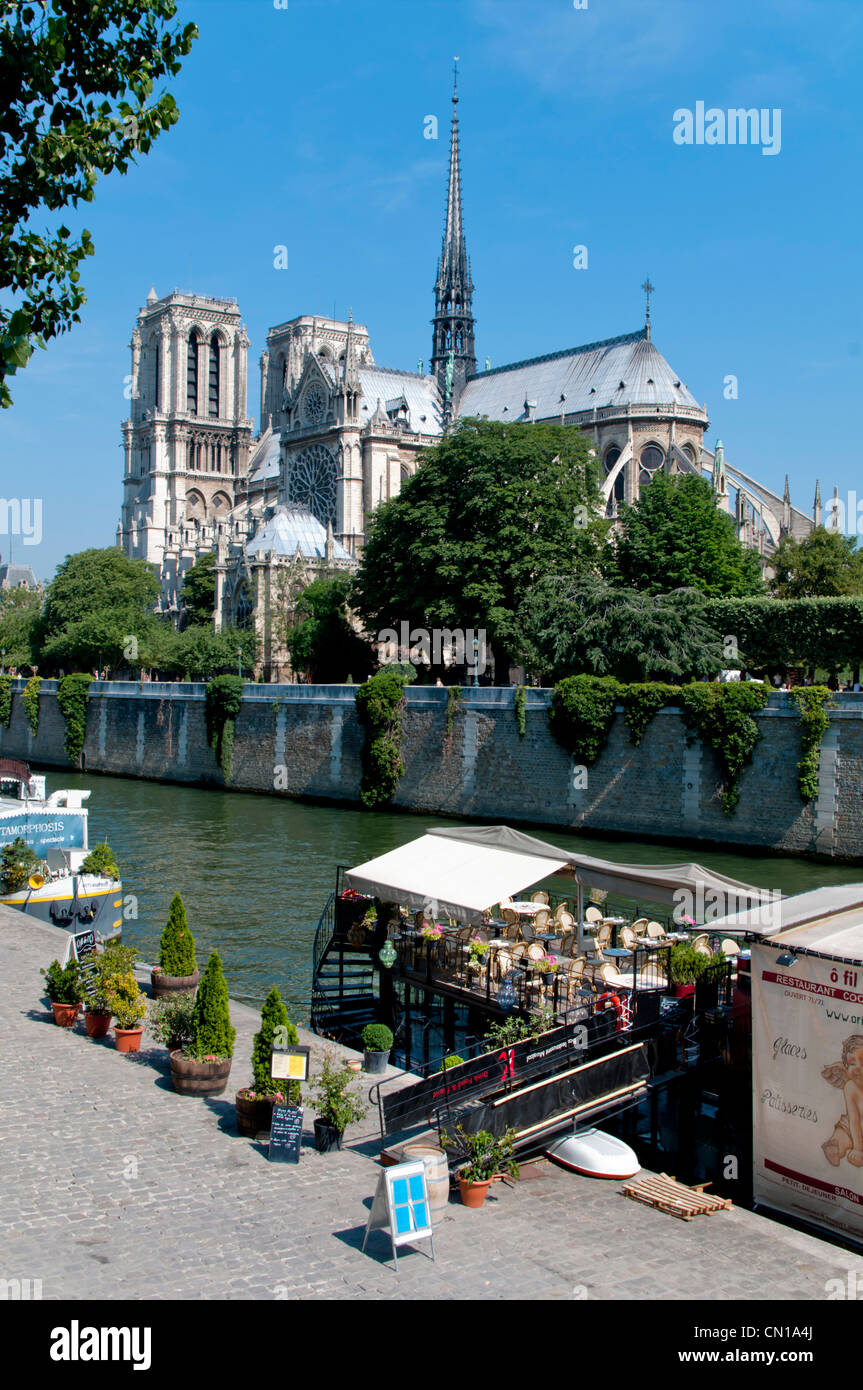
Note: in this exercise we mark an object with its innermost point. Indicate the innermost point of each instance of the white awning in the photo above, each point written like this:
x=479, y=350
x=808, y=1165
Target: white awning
x=807, y=920
x=465, y=871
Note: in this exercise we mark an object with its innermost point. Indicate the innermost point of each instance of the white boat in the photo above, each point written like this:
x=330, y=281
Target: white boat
x=55, y=828
x=595, y=1154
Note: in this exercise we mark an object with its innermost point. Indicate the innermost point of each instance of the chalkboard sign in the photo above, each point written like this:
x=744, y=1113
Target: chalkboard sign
x=286, y=1134
x=84, y=950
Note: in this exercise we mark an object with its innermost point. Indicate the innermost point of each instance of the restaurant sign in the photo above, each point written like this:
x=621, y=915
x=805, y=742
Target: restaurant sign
x=807, y=1058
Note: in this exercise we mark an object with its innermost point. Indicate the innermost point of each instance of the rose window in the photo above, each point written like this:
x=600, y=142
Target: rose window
x=312, y=482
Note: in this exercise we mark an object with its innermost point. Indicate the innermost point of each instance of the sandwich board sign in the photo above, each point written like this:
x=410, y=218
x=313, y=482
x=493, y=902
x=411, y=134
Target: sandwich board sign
x=401, y=1207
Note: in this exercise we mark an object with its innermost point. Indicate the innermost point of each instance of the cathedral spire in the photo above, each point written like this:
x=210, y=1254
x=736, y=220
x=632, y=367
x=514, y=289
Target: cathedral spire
x=453, y=338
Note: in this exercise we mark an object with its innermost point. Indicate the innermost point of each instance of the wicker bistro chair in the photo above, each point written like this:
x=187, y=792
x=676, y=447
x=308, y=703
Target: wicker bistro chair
x=730, y=948
x=702, y=944
x=564, y=922
x=628, y=938
x=541, y=920
x=640, y=925
x=593, y=915
x=539, y=897
x=655, y=930
x=603, y=938
x=512, y=930
x=535, y=951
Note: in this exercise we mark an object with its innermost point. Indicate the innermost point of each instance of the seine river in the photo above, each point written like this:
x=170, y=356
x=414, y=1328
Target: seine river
x=255, y=871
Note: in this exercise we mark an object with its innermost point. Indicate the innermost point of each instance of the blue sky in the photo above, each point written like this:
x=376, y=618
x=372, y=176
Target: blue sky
x=304, y=127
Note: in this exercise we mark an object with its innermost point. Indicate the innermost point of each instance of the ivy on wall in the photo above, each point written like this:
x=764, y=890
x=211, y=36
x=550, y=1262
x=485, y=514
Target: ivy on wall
x=453, y=700
x=721, y=715
x=812, y=702
x=581, y=714
x=642, y=701
x=31, y=702
x=379, y=704
x=520, y=704
x=73, y=692
x=223, y=700
x=6, y=701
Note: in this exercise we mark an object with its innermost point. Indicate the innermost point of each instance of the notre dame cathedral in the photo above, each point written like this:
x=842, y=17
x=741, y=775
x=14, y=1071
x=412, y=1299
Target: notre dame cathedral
x=339, y=434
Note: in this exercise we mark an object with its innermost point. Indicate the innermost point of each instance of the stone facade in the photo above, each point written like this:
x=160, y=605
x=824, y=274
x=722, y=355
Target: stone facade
x=305, y=741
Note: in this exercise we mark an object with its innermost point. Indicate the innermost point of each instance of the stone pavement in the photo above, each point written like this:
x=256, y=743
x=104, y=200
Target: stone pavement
x=115, y=1187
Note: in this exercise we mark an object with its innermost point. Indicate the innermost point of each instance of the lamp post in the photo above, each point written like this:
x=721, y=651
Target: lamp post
x=240, y=662
x=476, y=660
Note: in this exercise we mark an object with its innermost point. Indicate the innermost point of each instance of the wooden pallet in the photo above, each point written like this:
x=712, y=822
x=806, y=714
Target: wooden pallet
x=667, y=1194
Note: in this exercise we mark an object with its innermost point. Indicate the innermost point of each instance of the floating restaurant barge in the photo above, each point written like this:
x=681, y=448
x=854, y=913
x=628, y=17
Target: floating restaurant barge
x=432, y=940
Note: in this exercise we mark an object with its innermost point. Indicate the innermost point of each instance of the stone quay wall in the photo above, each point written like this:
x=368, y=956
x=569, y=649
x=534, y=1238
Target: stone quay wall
x=306, y=741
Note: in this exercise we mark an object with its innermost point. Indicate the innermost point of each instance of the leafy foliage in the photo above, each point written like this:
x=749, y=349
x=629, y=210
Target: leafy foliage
x=223, y=701
x=816, y=632
x=101, y=862
x=212, y=1031
x=113, y=963
x=453, y=1061
x=30, y=698
x=824, y=564
x=377, y=1037
x=126, y=1000
x=687, y=965
x=581, y=714
x=6, y=700
x=490, y=510
x=177, y=945
x=171, y=1020
x=96, y=602
x=481, y=1155
x=274, y=1023
x=63, y=983
x=520, y=707
x=198, y=590
x=675, y=537
x=574, y=626
x=722, y=716
x=812, y=701
x=336, y=1102
x=19, y=615
x=78, y=80
x=17, y=863
x=379, y=706
x=73, y=693
x=641, y=702
x=324, y=641
x=453, y=702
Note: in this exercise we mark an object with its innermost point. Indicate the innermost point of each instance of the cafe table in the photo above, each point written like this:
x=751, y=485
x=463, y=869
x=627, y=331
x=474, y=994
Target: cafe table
x=526, y=909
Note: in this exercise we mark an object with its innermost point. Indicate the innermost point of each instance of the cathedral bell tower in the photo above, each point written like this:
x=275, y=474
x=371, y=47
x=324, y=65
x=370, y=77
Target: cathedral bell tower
x=453, y=357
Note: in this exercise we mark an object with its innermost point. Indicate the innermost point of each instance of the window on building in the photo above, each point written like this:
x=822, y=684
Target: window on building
x=192, y=375
x=214, y=376
x=652, y=458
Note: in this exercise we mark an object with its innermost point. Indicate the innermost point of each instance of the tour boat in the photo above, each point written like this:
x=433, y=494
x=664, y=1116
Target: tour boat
x=595, y=1154
x=55, y=828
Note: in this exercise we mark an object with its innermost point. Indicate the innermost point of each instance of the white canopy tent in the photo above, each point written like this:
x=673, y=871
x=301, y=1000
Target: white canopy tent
x=462, y=872
x=840, y=904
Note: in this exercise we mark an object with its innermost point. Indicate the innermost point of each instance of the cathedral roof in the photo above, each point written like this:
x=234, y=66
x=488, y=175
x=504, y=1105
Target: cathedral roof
x=264, y=463
x=292, y=527
x=420, y=392
x=616, y=372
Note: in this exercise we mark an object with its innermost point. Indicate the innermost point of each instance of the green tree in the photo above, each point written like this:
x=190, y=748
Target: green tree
x=19, y=615
x=212, y=1031
x=96, y=602
x=825, y=564
x=177, y=945
x=675, y=537
x=324, y=642
x=198, y=591
x=275, y=1027
x=78, y=79
x=573, y=626
x=491, y=509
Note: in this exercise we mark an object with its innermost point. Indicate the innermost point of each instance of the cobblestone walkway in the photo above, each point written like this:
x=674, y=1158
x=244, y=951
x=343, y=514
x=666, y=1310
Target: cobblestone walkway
x=115, y=1187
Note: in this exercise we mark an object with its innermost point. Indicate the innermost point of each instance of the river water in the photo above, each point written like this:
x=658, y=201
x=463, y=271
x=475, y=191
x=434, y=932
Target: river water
x=255, y=871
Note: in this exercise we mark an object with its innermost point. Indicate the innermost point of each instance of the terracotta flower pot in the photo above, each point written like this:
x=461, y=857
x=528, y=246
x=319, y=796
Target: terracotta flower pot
x=65, y=1014
x=473, y=1194
x=97, y=1024
x=128, y=1039
x=167, y=986
x=253, y=1116
x=199, y=1078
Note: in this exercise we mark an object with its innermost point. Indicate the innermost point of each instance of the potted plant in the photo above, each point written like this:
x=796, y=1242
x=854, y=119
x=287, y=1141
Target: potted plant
x=686, y=967
x=477, y=953
x=63, y=988
x=177, y=968
x=377, y=1042
x=336, y=1104
x=112, y=961
x=100, y=862
x=255, y=1103
x=202, y=1068
x=482, y=1157
x=128, y=1004
x=171, y=1020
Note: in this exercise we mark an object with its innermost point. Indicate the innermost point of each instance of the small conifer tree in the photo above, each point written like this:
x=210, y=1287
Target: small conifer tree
x=276, y=1028
x=177, y=946
x=212, y=1031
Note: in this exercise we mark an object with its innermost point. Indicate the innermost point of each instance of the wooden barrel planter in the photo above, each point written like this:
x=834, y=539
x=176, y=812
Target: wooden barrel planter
x=167, y=986
x=199, y=1078
x=253, y=1116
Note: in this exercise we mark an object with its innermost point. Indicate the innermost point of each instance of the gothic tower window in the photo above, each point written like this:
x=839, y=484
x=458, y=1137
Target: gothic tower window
x=192, y=374
x=652, y=458
x=156, y=401
x=214, y=375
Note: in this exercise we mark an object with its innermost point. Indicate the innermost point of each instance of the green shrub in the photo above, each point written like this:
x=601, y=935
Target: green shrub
x=721, y=714
x=812, y=701
x=454, y=1061
x=453, y=700
x=641, y=701
x=377, y=1037
x=126, y=1001
x=17, y=863
x=63, y=983
x=212, y=1031
x=73, y=692
x=336, y=1103
x=482, y=1156
x=275, y=1026
x=687, y=965
x=31, y=702
x=177, y=946
x=520, y=705
x=171, y=1020
x=101, y=862
x=582, y=713
x=6, y=700
x=379, y=704
x=223, y=701
x=113, y=963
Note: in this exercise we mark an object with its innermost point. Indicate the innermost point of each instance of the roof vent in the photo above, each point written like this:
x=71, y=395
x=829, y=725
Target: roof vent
x=650, y=381
x=593, y=390
x=621, y=385
x=677, y=383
